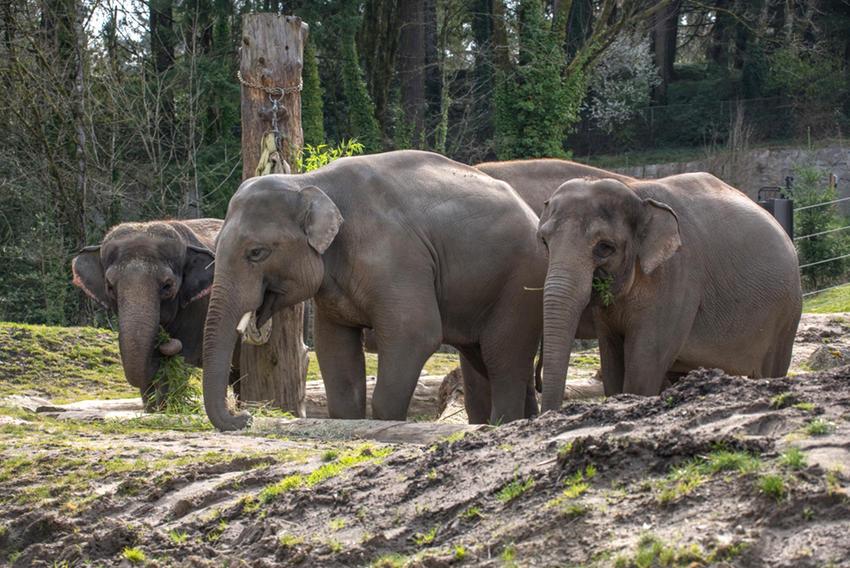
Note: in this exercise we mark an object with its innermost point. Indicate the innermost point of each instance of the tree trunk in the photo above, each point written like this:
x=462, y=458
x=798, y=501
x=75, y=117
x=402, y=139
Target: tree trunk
x=433, y=75
x=665, y=27
x=272, y=55
x=379, y=37
x=411, y=69
x=501, y=55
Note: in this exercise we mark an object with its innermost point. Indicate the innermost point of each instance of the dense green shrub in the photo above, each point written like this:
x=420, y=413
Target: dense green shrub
x=809, y=189
x=534, y=105
x=312, y=114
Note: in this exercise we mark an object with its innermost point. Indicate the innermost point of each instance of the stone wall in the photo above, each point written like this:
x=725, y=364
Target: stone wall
x=751, y=170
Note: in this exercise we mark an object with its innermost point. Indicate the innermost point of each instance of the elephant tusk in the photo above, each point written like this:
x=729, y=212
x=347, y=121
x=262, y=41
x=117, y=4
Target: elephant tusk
x=527, y=289
x=247, y=328
x=243, y=323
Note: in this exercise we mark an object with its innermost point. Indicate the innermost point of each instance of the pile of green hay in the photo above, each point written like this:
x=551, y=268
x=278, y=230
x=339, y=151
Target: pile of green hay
x=182, y=385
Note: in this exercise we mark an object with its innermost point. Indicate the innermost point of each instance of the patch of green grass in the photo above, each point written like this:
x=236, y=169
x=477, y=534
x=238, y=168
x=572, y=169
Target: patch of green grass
x=576, y=485
x=393, y=560
x=287, y=540
x=214, y=534
x=363, y=453
x=423, y=539
x=336, y=524
x=830, y=301
x=725, y=460
x=455, y=437
x=793, y=458
x=819, y=427
x=772, y=485
x=133, y=555
x=805, y=406
x=782, y=400
x=471, y=514
x=330, y=455
x=177, y=537
x=508, y=555
x=683, y=479
x=514, y=489
x=587, y=359
x=652, y=551
x=63, y=364
x=833, y=483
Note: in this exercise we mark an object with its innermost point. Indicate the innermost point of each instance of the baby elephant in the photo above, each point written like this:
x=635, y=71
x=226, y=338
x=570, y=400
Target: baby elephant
x=152, y=274
x=680, y=273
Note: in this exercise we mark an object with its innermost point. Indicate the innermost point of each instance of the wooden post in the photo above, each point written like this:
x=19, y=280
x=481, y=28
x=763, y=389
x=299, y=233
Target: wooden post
x=272, y=56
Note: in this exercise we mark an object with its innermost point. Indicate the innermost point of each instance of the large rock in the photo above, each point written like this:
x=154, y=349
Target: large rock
x=828, y=357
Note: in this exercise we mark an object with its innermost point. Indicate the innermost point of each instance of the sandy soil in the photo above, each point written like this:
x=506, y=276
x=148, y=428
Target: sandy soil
x=718, y=470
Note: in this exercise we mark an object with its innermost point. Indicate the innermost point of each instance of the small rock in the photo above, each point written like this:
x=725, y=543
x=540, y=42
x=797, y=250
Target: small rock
x=828, y=357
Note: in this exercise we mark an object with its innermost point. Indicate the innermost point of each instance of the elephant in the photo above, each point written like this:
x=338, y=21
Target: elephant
x=420, y=248
x=681, y=272
x=535, y=181
x=152, y=274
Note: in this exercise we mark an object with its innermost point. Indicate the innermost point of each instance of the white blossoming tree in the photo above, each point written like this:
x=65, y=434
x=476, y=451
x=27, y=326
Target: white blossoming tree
x=621, y=82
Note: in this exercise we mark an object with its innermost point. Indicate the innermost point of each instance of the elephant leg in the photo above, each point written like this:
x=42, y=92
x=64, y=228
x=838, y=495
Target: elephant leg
x=403, y=347
x=476, y=386
x=509, y=357
x=531, y=408
x=651, y=350
x=343, y=366
x=613, y=363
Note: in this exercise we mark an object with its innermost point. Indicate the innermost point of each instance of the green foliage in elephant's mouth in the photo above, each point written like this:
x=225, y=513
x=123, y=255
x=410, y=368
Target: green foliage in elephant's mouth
x=602, y=288
x=176, y=388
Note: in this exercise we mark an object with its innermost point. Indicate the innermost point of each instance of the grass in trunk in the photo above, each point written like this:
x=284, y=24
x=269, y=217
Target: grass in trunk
x=181, y=388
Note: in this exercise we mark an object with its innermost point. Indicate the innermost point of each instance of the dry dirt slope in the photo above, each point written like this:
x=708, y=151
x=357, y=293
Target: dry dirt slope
x=717, y=471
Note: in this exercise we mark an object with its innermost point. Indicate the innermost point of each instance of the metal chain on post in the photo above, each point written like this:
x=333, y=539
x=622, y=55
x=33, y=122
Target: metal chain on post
x=271, y=147
x=271, y=162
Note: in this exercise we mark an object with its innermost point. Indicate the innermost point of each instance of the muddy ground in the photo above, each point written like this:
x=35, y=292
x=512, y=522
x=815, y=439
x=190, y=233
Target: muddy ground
x=718, y=470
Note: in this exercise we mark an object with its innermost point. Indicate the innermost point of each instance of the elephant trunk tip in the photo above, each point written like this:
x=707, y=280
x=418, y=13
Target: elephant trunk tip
x=227, y=421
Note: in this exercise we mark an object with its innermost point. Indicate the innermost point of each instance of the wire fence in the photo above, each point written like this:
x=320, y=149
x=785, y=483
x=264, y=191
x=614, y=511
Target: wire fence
x=835, y=250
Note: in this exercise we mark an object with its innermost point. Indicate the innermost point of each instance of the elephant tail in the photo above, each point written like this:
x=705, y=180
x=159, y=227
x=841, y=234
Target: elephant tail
x=538, y=370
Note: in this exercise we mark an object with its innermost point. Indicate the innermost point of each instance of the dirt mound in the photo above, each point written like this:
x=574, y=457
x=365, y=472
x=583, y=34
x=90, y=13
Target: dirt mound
x=717, y=470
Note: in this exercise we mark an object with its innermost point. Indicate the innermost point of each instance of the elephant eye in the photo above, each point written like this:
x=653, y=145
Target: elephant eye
x=603, y=249
x=258, y=254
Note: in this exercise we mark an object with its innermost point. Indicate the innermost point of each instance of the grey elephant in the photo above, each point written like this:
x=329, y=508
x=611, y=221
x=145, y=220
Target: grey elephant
x=152, y=274
x=420, y=248
x=535, y=181
x=680, y=272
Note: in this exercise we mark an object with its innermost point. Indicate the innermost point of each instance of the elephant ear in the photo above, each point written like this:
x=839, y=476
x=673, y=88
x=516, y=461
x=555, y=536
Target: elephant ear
x=197, y=274
x=320, y=218
x=660, y=237
x=89, y=275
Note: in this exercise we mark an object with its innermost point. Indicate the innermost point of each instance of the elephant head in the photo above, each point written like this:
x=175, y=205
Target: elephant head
x=601, y=237
x=268, y=256
x=145, y=272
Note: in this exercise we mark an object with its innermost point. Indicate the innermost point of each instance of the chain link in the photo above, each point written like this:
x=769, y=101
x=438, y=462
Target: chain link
x=271, y=91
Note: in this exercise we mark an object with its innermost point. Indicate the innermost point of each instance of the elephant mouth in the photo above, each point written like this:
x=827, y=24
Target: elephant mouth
x=272, y=301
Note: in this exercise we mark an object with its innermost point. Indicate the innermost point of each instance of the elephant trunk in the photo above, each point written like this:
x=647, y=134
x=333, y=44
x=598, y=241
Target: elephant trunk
x=565, y=296
x=219, y=338
x=138, y=324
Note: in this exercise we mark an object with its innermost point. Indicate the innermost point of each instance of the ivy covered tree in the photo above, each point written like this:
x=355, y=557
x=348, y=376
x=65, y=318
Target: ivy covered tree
x=534, y=105
x=312, y=111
